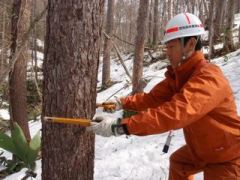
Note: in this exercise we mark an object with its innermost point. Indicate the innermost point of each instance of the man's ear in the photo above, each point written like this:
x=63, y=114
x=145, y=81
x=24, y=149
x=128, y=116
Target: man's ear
x=191, y=44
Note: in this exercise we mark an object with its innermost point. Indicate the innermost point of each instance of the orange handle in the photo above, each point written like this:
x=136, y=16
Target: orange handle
x=107, y=105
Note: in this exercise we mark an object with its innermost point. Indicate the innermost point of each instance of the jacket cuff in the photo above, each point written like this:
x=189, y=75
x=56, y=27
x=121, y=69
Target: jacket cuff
x=119, y=128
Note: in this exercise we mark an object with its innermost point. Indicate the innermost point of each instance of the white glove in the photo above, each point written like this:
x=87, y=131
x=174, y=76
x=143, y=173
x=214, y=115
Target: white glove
x=107, y=126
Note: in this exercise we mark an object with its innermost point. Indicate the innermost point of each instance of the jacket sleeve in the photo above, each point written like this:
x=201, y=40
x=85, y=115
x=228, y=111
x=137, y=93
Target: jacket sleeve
x=141, y=101
x=200, y=95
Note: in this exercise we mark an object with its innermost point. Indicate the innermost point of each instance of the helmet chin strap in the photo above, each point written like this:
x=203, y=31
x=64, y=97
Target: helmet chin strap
x=184, y=55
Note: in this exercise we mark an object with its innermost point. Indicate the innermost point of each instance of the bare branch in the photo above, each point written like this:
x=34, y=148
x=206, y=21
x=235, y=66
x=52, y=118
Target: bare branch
x=114, y=35
x=119, y=56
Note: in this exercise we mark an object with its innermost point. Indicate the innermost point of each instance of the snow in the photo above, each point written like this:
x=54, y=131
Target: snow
x=4, y=114
x=237, y=19
x=40, y=43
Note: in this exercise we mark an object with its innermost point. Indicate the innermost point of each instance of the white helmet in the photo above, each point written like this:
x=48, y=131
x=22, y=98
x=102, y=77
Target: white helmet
x=183, y=25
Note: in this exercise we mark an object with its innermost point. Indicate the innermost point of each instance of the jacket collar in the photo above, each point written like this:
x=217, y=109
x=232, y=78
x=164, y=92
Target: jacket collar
x=187, y=68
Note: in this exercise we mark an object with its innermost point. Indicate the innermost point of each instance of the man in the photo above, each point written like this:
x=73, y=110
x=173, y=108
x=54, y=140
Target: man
x=194, y=96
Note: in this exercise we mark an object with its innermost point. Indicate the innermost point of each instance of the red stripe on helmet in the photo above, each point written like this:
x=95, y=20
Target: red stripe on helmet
x=187, y=18
x=173, y=29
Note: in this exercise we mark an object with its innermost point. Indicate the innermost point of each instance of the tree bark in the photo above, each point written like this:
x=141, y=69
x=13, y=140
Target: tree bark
x=228, y=43
x=18, y=75
x=156, y=28
x=139, y=46
x=72, y=47
x=107, y=45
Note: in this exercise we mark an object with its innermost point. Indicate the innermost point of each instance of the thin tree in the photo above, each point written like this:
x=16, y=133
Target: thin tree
x=18, y=75
x=156, y=28
x=239, y=37
x=150, y=23
x=228, y=37
x=218, y=20
x=106, y=80
x=170, y=9
x=3, y=24
x=131, y=21
x=211, y=29
x=72, y=47
x=138, y=84
x=238, y=6
x=34, y=41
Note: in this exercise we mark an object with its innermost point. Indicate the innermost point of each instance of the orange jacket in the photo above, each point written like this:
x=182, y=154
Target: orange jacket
x=196, y=97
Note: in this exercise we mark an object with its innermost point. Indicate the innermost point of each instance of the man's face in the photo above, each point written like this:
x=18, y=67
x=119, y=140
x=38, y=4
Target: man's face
x=174, y=52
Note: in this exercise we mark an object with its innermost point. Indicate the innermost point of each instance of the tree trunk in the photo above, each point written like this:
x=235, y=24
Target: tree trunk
x=163, y=18
x=238, y=6
x=3, y=53
x=139, y=46
x=218, y=19
x=228, y=43
x=156, y=28
x=34, y=41
x=34, y=37
x=72, y=47
x=107, y=45
x=150, y=24
x=211, y=29
x=239, y=37
x=170, y=15
x=201, y=13
x=17, y=76
x=205, y=7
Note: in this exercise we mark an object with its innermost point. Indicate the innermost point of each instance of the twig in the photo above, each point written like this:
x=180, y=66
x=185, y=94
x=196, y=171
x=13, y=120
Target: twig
x=114, y=35
x=29, y=173
x=125, y=86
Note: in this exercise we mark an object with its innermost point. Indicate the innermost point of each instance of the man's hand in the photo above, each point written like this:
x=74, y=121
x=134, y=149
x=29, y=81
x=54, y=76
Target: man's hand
x=107, y=126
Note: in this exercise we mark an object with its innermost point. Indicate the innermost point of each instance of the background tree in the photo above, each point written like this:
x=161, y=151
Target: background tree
x=138, y=83
x=72, y=48
x=5, y=31
x=3, y=35
x=239, y=37
x=218, y=20
x=34, y=41
x=170, y=8
x=18, y=75
x=211, y=28
x=228, y=36
x=150, y=23
x=156, y=28
x=106, y=80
